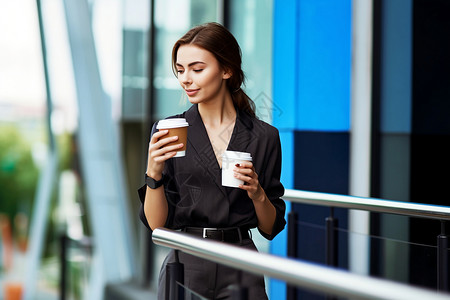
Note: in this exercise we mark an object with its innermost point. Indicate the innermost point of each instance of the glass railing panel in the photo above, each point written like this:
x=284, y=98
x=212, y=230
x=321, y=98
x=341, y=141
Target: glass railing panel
x=311, y=238
x=389, y=255
x=395, y=259
x=189, y=294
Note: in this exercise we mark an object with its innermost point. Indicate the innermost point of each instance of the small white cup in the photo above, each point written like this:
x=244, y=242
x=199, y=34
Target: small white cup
x=229, y=160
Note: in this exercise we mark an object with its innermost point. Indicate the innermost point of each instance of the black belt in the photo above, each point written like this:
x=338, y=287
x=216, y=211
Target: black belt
x=229, y=235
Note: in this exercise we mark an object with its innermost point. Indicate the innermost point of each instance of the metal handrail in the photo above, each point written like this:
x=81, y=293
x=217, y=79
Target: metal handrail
x=302, y=274
x=369, y=204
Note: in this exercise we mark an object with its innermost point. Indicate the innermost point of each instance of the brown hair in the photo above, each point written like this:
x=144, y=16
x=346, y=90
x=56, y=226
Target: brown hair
x=216, y=39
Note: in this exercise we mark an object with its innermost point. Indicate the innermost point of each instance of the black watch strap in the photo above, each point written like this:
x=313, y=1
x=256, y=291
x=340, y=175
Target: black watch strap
x=152, y=183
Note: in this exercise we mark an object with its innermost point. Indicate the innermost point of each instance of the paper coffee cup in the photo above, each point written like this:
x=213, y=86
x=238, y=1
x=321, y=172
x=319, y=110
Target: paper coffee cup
x=177, y=127
x=229, y=160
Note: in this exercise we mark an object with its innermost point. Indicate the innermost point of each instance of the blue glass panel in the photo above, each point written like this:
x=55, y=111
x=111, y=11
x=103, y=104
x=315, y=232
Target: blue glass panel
x=324, y=53
x=396, y=66
x=285, y=62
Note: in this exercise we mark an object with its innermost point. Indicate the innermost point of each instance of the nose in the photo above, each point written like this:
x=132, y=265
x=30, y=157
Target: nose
x=184, y=78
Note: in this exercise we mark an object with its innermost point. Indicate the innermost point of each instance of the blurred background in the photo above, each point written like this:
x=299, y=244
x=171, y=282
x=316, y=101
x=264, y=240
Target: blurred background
x=358, y=89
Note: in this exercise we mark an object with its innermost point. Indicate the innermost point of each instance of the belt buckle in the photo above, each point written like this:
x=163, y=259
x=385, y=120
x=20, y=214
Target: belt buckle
x=205, y=229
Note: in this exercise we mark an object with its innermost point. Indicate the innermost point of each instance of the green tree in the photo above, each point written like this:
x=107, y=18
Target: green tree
x=18, y=173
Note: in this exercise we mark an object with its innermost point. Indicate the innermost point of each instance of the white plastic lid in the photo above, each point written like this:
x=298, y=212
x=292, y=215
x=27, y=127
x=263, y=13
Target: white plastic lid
x=227, y=155
x=172, y=123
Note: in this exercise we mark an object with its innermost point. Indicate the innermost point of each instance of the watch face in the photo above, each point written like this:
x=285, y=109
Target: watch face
x=152, y=183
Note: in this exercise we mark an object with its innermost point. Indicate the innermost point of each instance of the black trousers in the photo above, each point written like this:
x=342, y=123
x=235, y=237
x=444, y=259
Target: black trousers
x=211, y=280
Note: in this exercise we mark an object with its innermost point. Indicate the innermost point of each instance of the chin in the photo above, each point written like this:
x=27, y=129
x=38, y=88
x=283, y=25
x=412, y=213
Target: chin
x=197, y=100
x=194, y=101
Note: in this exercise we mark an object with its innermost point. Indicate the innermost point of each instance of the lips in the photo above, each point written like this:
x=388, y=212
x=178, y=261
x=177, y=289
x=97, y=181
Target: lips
x=192, y=92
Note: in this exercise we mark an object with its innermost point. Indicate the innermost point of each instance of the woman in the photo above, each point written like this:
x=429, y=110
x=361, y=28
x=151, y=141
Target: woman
x=186, y=193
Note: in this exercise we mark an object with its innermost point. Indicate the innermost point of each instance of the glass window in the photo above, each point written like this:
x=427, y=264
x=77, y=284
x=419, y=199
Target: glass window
x=251, y=23
x=135, y=83
x=170, y=25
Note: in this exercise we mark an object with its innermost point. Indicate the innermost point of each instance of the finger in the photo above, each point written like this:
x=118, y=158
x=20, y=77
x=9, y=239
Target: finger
x=249, y=188
x=157, y=135
x=245, y=164
x=247, y=172
x=164, y=141
x=244, y=171
x=165, y=156
x=247, y=179
x=244, y=187
x=164, y=150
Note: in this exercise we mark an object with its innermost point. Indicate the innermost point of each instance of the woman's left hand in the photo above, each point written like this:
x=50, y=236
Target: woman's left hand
x=265, y=211
x=246, y=172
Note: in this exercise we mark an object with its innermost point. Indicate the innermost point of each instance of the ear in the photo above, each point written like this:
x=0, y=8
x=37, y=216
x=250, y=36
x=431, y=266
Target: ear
x=226, y=74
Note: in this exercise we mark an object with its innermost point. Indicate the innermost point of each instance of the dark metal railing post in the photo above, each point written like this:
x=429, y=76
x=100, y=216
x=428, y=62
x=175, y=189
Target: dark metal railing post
x=174, y=277
x=331, y=236
x=63, y=266
x=292, y=235
x=442, y=259
x=66, y=244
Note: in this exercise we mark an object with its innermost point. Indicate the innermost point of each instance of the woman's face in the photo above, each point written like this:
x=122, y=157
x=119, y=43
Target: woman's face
x=200, y=74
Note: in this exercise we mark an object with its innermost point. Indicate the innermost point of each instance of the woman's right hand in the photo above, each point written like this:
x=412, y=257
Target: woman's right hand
x=159, y=152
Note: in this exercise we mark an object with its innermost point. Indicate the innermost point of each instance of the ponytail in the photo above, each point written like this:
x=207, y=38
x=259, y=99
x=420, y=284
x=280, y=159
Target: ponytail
x=243, y=102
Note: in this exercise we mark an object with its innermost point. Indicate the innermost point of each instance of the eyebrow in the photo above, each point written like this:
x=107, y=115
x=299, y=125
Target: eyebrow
x=191, y=64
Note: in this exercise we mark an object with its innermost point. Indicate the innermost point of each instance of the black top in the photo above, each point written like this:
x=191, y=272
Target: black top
x=193, y=183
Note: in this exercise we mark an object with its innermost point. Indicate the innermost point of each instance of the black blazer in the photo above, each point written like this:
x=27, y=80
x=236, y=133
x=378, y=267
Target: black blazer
x=193, y=183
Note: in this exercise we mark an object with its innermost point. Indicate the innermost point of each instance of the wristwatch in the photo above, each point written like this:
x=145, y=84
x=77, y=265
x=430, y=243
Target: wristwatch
x=152, y=183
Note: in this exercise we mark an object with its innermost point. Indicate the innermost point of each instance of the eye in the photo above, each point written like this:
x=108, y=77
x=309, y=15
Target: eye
x=198, y=70
x=180, y=71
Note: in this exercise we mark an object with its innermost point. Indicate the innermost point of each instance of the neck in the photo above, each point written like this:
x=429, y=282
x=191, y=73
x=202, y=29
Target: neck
x=216, y=113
